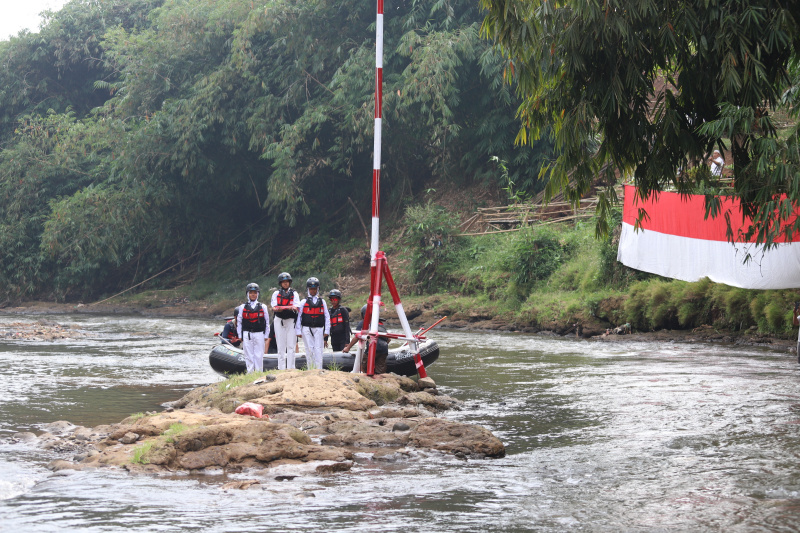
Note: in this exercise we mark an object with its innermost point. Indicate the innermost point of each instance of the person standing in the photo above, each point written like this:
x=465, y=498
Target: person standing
x=313, y=324
x=717, y=162
x=253, y=329
x=340, y=322
x=285, y=304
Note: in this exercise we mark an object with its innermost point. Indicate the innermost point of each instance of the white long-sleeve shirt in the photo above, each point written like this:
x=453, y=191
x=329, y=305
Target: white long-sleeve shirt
x=298, y=328
x=239, y=321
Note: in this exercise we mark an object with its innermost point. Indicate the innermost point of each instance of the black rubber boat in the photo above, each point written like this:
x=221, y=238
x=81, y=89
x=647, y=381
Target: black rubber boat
x=227, y=360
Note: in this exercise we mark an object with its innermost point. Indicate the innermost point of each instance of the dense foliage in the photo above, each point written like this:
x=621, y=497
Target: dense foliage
x=139, y=135
x=659, y=84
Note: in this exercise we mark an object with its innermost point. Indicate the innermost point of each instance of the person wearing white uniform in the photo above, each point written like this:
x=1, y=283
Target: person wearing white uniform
x=253, y=329
x=285, y=304
x=313, y=324
x=717, y=162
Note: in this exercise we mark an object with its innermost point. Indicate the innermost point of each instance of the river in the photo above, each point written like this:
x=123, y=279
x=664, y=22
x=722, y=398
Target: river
x=624, y=436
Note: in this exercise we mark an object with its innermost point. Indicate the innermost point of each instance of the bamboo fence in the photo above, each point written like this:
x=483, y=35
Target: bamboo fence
x=514, y=217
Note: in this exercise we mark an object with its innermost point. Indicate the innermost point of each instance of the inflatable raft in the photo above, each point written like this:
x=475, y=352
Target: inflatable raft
x=226, y=360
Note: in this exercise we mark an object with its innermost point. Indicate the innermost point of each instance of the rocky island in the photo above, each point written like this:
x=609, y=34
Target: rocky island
x=319, y=415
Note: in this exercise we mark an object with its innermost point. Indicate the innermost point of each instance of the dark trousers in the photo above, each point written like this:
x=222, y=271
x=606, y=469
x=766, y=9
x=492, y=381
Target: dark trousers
x=338, y=342
x=380, y=360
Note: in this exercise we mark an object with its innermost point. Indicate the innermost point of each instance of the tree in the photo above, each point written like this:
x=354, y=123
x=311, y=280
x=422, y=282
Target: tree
x=139, y=134
x=659, y=85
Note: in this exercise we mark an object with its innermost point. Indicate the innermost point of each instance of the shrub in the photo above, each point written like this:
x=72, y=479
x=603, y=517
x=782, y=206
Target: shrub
x=434, y=245
x=535, y=256
x=612, y=273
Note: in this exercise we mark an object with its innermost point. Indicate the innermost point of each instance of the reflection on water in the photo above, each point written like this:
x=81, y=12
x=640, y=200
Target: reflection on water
x=600, y=437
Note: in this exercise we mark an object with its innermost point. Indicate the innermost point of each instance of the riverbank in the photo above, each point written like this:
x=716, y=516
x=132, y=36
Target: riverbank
x=419, y=316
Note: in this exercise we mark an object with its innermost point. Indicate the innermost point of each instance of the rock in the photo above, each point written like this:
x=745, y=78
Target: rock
x=390, y=456
x=436, y=403
x=59, y=465
x=60, y=427
x=315, y=417
x=25, y=436
x=129, y=438
x=335, y=467
x=82, y=434
x=356, y=433
x=454, y=437
x=426, y=383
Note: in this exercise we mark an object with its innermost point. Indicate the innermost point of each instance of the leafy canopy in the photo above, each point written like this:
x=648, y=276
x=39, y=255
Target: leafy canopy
x=652, y=87
x=138, y=135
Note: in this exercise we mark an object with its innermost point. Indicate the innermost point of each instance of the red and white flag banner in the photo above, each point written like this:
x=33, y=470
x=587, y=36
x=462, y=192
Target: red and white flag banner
x=676, y=241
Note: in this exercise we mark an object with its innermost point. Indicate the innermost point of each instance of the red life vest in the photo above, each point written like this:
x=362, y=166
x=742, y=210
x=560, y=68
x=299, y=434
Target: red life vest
x=313, y=315
x=253, y=318
x=232, y=332
x=285, y=298
x=338, y=320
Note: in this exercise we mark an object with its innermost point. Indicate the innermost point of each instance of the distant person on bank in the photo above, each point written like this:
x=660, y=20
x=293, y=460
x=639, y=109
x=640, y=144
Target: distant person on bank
x=285, y=305
x=313, y=324
x=717, y=163
x=253, y=329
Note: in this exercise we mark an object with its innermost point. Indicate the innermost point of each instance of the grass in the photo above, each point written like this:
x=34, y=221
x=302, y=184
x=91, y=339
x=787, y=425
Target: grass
x=238, y=380
x=174, y=430
x=140, y=453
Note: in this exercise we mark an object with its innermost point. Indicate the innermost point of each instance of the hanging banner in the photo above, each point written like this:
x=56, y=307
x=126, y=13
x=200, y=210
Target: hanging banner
x=676, y=241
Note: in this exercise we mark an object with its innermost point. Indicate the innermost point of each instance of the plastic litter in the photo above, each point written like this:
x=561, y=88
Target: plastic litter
x=252, y=409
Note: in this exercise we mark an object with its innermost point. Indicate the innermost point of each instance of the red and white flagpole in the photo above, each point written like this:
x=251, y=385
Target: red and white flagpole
x=375, y=269
x=376, y=158
x=379, y=267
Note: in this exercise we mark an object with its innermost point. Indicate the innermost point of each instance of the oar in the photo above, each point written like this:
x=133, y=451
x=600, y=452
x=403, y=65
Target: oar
x=432, y=326
x=420, y=332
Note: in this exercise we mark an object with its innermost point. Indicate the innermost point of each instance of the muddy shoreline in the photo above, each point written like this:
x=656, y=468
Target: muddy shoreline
x=419, y=316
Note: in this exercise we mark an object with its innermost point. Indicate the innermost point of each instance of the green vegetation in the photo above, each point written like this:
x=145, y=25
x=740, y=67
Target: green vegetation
x=242, y=379
x=551, y=277
x=433, y=244
x=174, y=430
x=187, y=140
x=140, y=453
x=647, y=89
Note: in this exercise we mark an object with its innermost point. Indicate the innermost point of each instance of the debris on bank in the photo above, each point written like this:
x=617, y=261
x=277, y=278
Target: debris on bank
x=308, y=416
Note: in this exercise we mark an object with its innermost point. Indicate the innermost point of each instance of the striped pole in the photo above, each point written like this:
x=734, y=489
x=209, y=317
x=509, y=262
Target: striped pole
x=379, y=267
x=376, y=159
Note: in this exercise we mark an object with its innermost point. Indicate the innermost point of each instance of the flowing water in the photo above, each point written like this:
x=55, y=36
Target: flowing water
x=626, y=436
